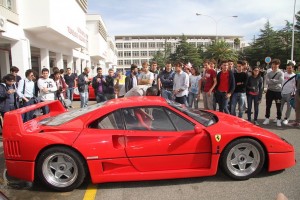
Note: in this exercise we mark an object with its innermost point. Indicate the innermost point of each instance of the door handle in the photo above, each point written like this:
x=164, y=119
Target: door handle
x=118, y=141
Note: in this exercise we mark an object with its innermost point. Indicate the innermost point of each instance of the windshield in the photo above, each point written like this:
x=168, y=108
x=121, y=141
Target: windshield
x=70, y=115
x=201, y=116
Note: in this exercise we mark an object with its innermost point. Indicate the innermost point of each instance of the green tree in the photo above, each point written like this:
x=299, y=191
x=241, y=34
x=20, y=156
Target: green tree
x=220, y=50
x=236, y=43
x=186, y=52
x=161, y=57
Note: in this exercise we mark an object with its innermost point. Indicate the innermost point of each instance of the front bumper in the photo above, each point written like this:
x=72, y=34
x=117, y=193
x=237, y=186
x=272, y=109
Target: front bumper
x=279, y=161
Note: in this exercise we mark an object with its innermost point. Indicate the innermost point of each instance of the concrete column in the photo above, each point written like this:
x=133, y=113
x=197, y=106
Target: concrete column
x=4, y=63
x=21, y=56
x=78, y=66
x=45, y=60
x=59, y=61
x=70, y=62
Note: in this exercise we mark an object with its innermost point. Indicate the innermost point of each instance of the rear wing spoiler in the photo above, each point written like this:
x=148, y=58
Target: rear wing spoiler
x=13, y=120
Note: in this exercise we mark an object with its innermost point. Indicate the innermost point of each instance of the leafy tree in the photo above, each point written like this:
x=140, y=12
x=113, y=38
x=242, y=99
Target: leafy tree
x=186, y=52
x=236, y=43
x=220, y=50
x=161, y=57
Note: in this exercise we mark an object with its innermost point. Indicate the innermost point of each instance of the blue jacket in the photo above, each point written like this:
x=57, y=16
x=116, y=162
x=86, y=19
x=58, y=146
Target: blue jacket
x=4, y=98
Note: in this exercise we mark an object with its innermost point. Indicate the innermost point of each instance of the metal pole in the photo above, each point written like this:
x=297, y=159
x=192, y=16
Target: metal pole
x=293, y=34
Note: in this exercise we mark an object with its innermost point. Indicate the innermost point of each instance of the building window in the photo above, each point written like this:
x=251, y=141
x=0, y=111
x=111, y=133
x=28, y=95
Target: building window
x=127, y=53
x=160, y=44
x=127, y=62
x=135, y=45
x=143, y=44
x=137, y=62
x=144, y=53
x=120, y=62
x=199, y=44
x=144, y=60
x=151, y=53
x=193, y=44
x=127, y=45
x=135, y=53
x=119, y=45
x=151, y=44
x=120, y=54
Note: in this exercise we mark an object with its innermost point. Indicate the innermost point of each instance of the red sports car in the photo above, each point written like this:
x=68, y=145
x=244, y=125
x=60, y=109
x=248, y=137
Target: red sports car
x=133, y=139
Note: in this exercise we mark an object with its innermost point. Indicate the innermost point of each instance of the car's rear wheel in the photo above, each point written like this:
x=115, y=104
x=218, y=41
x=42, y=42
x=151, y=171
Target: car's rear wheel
x=61, y=169
x=243, y=159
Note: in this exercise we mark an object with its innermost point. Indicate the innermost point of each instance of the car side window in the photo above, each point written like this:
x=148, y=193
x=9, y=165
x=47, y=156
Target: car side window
x=147, y=118
x=180, y=123
x=110, y=121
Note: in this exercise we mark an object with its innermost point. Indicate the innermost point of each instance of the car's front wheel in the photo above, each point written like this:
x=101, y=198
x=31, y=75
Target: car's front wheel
x=243, y=158
x=61, y=169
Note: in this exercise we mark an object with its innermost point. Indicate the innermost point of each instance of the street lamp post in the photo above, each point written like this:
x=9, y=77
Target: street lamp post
x=216, y=21
x=293, y=34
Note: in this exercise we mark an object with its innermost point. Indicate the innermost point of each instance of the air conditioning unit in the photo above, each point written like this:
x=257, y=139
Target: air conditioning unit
x=2, y=24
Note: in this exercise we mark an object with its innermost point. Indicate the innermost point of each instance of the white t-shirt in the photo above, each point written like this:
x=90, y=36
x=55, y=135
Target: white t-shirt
x=149, y=76
x=139, y=90
x=50, y=85
x=194, y=82
x=290, y=86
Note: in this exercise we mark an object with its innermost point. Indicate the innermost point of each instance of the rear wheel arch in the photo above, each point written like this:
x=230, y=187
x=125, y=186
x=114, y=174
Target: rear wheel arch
x=67, y=149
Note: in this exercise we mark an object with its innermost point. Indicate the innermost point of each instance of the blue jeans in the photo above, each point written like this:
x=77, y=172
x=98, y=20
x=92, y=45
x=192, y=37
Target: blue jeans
x=28, y=115
x=100, y=98
x=167, y=94
x=254, y=99
x=240, y=99
x=222, y=100
x=70, y=92
x=193, y=99
x=84, y=98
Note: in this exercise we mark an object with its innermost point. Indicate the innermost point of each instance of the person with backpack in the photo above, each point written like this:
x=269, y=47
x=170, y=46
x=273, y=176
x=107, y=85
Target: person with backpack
x=288, y=88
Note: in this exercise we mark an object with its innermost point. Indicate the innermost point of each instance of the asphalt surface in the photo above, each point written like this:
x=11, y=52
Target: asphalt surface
x=265, y=186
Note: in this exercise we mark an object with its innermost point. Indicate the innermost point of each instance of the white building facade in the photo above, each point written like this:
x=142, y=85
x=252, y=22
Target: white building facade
x=140, y=48
x=50, y=33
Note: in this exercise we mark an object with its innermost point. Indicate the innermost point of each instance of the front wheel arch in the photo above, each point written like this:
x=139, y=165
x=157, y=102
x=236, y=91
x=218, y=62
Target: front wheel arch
x=253, y=141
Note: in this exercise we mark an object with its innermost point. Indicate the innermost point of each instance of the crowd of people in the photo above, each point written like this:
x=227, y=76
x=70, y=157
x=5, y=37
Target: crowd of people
x=235, y=90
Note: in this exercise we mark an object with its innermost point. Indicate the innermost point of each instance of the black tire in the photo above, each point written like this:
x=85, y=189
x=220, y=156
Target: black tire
x=243, y=159
x=61, y=169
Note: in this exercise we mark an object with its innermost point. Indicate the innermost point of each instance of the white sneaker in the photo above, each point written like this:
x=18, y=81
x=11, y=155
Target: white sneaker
x=275, y=120
x=285, y=122
x=278, y=122
x=267, y=121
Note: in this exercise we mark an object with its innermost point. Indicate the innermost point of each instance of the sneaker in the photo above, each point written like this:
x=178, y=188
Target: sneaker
x=278, y=122
x=285, y=122
x=256, y=123
x=267, y=121
x=275, y=121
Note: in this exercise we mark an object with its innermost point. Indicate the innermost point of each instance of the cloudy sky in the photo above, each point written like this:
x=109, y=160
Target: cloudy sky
x=142, y=17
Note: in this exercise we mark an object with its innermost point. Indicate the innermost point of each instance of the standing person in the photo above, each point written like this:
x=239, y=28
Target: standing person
x=26, y=92
x=225, y=87
x=8, y=95
x=231, y=65
x=70, y=81
x=146, y=77
x=194, y=89
x=131, y=80
x=180, y=84
x=239, y=94
x=108, y=89
x=83, y=87
x=155, y=72
x=47, y=88
x=274, y=81
x=254, y=91
x=61, y=85
x=296, y=123
x=98, y=85
x=288, y=88
x=166, y=78
x=210, y=81
x=14, y=71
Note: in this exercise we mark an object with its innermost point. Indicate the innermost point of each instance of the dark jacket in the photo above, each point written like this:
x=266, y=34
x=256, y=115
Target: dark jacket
x=129, y=82
x=255, y=84
x=81, y=83
x=108, y=86
x=4, y=98
x=231, y=81
x=166, y=79
x=95, y=84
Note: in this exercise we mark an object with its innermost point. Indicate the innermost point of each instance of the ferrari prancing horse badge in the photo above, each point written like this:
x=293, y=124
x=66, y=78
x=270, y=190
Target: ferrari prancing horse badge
x=218, y=137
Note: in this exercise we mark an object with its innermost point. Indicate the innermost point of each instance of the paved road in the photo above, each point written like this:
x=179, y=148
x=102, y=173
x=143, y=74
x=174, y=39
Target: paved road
x=264, y=187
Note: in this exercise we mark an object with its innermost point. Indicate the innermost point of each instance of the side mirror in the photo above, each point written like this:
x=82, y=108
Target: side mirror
x=198, y=129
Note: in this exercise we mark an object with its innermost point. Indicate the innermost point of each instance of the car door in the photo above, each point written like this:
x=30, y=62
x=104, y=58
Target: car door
x=164, y=141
